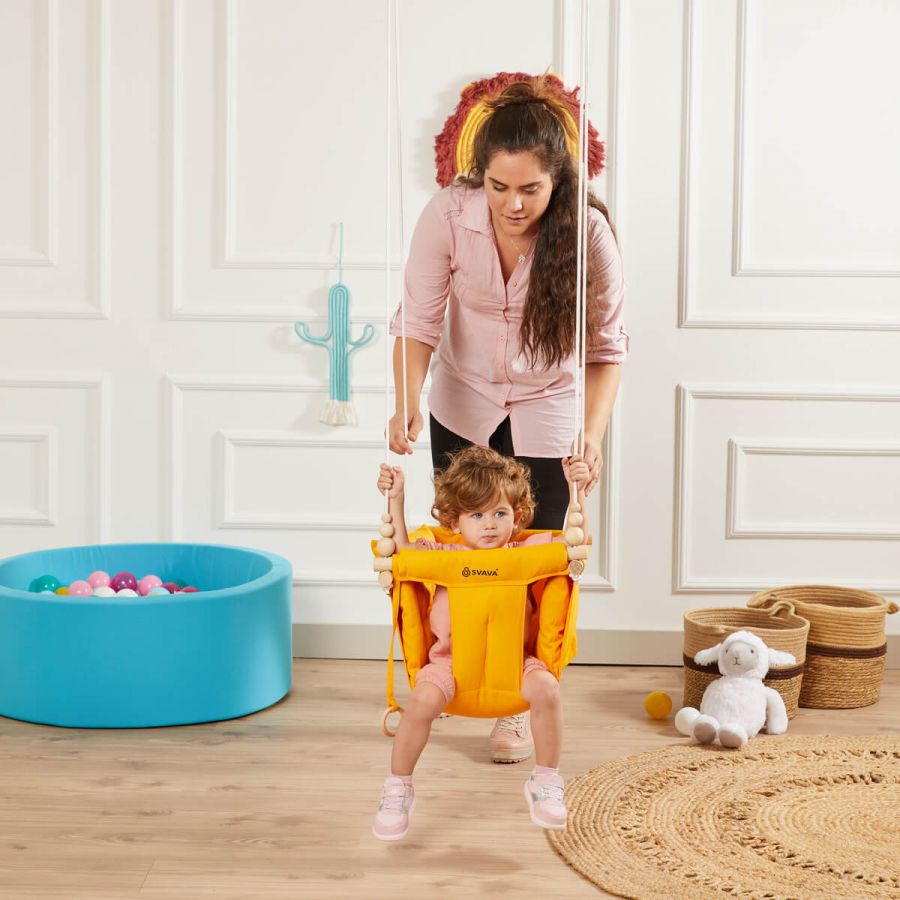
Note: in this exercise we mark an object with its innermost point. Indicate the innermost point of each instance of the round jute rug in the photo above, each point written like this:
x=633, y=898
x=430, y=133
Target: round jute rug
x=804, y=818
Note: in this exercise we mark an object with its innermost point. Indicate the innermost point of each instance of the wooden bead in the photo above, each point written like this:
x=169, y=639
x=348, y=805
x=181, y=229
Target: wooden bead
x=575, y=518
x=574, y=536
x=386, y=530
x=574, y=507
x=386, y=547
x=577, y=552
x=382, y=564
x=386, y=580
x=387, y=517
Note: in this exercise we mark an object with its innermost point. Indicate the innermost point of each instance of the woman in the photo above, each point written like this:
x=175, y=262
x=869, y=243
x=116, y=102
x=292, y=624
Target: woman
x=489, y=301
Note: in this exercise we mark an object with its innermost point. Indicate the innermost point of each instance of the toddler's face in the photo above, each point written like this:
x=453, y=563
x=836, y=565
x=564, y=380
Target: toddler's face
x=487, y=528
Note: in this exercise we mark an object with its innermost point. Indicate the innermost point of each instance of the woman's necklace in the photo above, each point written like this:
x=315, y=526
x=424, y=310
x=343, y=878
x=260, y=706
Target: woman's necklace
x=522, y=255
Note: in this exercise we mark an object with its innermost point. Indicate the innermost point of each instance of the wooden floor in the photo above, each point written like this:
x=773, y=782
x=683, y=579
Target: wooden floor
x=280, y=804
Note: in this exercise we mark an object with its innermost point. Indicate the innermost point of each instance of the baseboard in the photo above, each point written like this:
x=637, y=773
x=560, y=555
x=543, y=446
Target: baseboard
x=595, y=646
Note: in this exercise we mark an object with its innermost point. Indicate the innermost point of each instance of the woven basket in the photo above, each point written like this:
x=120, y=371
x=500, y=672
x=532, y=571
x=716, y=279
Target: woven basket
x=847, y=647
x=778, y=626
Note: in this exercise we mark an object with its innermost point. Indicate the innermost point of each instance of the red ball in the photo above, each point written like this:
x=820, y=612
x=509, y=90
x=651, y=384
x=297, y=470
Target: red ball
x=170, y=586
x=123, y=580
x=190, y=590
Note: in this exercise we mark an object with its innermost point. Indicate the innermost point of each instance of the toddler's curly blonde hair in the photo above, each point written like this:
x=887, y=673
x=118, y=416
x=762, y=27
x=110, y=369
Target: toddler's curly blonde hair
x=475, y=479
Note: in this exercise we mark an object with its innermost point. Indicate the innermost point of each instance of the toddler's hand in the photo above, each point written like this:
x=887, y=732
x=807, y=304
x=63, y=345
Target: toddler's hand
x=390, y=480
x=576, y=470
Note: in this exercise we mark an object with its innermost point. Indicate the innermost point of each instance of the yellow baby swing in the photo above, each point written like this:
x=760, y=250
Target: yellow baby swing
x=488, y=590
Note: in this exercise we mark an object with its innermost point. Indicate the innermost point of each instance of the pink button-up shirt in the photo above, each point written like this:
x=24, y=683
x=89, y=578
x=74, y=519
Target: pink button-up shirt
x=479, y=375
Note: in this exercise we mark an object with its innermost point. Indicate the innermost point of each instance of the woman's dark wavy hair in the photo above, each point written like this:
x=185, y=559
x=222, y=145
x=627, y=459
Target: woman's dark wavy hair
x=521, y=121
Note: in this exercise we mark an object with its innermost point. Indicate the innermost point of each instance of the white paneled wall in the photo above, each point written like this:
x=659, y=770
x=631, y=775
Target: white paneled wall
x=172, y=178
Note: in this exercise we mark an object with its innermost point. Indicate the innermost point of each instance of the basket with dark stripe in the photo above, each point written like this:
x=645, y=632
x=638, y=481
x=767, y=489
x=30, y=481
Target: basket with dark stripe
x=847, y=646
x=778, y=626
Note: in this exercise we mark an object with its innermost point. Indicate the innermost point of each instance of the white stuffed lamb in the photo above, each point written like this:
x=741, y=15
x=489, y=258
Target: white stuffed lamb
x=738, y=705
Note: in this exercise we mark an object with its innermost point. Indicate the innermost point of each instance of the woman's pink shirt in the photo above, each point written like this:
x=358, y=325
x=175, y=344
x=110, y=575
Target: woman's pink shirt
x=456, y=302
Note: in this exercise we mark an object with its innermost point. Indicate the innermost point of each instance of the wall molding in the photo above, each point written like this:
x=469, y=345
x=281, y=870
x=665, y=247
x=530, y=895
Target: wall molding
x=739, y=527
x=689, y=316
x=45, y=437
x=596, y=646
x=230, y=518
x=101, y=384
x=179, y=307
x=50, y=258
x=683, y=580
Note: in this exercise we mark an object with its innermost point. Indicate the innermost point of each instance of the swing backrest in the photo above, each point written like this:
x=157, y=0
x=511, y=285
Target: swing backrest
x=488, y=595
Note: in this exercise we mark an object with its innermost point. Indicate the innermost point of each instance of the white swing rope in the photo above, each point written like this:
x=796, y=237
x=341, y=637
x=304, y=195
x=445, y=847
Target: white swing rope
x=393, y=63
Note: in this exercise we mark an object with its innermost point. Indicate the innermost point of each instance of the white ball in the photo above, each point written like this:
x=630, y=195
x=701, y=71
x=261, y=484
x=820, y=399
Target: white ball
x=158, y=592
x=104, y=591
x=126, y=592
x=685, y=718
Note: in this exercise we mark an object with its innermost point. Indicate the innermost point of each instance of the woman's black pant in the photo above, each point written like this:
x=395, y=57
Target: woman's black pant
x=548, y=482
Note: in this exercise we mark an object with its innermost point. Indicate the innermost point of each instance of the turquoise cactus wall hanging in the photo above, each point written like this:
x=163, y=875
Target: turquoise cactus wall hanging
x=336, y=340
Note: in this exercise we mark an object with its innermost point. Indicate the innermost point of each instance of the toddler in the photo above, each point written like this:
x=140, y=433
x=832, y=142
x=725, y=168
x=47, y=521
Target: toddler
x=485, y=498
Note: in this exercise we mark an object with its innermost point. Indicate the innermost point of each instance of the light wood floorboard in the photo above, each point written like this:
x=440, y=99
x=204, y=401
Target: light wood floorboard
x=279, y=804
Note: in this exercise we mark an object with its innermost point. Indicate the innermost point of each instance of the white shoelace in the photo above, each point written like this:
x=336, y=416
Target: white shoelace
x=394, y=796
x=512, y=725
x=550, y=792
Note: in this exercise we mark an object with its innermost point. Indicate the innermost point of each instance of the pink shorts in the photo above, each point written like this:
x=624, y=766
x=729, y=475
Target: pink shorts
x=439, y=673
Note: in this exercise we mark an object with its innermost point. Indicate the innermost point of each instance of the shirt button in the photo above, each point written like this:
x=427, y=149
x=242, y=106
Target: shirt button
x=501, y=339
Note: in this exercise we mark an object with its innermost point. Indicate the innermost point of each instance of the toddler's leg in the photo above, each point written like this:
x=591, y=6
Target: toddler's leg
x=544, y=789
x=425, y=704
x=541, y=690
x=398, y=798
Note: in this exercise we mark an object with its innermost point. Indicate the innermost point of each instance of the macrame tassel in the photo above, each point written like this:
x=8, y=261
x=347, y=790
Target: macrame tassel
x=338, y=412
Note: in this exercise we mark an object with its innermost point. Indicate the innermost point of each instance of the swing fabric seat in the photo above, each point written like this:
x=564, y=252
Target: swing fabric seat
x=488, y=593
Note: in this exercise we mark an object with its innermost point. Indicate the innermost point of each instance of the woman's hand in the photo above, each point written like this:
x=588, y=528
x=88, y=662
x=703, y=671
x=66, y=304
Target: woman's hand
x=390, y=480
x=397, y=434
x=593, y=458
x=576, y=471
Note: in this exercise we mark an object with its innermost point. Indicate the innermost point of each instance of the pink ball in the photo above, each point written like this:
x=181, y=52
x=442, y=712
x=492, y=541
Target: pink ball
x=147, y=583
x=98, y=579
x=80, y=589
x=191, y=590
x=123, y=580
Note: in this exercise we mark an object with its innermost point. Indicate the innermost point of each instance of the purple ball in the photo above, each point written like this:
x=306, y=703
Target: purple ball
x=123, y=580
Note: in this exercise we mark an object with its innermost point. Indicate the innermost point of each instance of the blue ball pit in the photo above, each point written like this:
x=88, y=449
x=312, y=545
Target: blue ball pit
x=139, y=662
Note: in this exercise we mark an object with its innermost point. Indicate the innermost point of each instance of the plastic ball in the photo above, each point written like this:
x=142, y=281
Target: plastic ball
x=80, y=589
x=62, y=591
x=189, y=589
x=98, y=579
x=104, y=590
x=127, y=592
x=44, y=583
x=147, y=583
x=158, y=592
x=123, y=580
x=658, y=704
x=170, y=586
x=51, y=593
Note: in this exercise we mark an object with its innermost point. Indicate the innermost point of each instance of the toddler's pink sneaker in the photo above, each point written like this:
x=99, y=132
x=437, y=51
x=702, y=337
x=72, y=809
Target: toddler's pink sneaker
x=545, y=801
x=398, y=799
x=511, y=739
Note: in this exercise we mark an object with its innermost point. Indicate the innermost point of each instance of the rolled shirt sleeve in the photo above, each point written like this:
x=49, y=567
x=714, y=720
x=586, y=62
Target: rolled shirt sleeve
x=426, y=285
x=611, y=339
